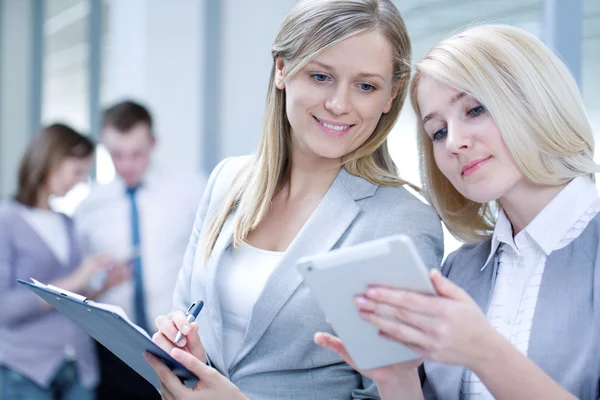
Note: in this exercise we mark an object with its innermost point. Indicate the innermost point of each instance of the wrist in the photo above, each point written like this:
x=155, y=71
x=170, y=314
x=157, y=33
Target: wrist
x=76, y=283
x=406, y=382
x=72, y=283
x=238, y=394
x=492, y=350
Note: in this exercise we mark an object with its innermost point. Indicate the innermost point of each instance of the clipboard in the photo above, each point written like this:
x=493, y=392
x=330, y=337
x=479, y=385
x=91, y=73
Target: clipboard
x=110, y=326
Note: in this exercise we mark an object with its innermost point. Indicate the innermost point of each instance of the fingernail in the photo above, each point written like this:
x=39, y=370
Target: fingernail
x=372, y=292
x=363, y=315
x=146, y=357
x=185, y=329
x=360, y=300
x=181, y=342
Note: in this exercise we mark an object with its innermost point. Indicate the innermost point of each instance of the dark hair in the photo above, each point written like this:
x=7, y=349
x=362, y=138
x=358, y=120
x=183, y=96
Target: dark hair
x=125, y=115
x=51, y=146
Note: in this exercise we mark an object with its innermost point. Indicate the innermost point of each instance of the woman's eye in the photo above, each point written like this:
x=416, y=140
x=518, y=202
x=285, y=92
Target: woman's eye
x=476, y=111
x=439, y=135
x=320, y=77
x=365, y=87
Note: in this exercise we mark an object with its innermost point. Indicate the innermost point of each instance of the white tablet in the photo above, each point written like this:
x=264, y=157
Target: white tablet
x=335, y=278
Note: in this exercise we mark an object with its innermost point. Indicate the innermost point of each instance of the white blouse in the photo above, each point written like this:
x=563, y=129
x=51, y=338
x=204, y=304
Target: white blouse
x=522, y=261
x=241, y=278
x=51, y=227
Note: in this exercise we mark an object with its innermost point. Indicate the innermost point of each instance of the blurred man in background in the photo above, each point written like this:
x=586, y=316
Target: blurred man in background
x=144, y=216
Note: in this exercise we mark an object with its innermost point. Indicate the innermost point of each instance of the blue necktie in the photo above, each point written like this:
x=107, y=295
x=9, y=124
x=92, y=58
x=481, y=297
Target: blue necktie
x=139, y=307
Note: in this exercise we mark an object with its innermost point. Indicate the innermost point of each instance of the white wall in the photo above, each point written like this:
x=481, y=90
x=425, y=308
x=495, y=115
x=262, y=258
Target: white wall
x=15, y=93
x=248, y=31
x=154, y=54
x=590, y=75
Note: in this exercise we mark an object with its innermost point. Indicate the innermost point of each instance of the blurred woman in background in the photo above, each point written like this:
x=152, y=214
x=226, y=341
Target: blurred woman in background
x=43, y=355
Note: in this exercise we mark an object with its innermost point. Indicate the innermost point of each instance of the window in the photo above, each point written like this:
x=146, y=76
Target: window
x=590, y=77
x=65, y=76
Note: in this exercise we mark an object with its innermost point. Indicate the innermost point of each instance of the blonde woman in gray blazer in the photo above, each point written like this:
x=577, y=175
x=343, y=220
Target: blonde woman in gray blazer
x=322, y=178
x=507, y=157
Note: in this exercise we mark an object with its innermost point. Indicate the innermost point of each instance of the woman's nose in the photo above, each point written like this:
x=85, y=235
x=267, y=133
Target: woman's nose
x=458, y=138
x=339, y=102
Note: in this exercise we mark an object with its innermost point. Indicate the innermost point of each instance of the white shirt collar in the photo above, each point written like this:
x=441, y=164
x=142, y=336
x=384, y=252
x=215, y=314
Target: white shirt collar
x=563, y=211
x=152, y=174
x=502, y=234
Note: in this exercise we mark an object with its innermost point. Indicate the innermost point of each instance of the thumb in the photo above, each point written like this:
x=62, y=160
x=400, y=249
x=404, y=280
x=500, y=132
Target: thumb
x=334, y=344
x=192, y=363
x=447, y=288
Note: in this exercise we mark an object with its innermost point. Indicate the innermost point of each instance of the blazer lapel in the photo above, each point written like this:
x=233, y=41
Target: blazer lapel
x=74, y=255
x=447, y=379
x=330, y=220
x=212, y=337
x=36, y=237
x=567, y=276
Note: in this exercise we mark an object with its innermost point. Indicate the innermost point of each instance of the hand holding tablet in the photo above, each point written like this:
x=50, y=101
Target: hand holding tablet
x=337, y=277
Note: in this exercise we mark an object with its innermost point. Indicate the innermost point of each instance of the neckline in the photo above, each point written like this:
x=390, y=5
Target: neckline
x=248, y=246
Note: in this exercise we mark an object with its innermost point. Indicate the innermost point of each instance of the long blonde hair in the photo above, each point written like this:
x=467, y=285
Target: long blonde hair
x=533, y=99
x=311, y=27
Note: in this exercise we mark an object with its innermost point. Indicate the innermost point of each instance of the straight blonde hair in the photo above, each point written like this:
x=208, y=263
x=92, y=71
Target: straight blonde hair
x=310, y=28
x=534, y=101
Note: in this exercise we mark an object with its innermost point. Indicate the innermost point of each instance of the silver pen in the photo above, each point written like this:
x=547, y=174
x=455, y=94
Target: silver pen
x=191, y=315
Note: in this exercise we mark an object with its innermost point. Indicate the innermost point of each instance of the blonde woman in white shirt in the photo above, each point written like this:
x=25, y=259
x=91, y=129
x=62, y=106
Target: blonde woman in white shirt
x=507, y=161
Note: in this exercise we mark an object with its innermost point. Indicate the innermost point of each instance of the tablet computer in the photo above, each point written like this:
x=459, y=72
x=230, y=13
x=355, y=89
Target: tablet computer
x=335, y=278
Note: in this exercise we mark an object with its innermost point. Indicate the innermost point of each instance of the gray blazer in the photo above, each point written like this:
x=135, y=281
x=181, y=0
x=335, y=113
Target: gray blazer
x=35, y=342
x=565, y=334
x=278, y=358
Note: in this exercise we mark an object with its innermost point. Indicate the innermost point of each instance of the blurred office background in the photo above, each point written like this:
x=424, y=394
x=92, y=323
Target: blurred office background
x=202, y=67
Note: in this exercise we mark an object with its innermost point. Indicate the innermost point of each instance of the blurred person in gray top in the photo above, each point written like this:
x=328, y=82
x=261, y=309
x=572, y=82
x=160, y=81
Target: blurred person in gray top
x=128, y=217
x=43, y=354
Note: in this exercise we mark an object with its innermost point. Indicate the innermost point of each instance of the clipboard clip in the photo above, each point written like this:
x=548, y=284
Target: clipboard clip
x=68, y=294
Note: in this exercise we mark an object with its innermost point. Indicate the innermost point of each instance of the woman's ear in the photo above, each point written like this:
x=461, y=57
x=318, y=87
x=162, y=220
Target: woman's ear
x=279, y=71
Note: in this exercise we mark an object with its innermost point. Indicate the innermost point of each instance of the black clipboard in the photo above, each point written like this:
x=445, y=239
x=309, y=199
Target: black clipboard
x=113, y=330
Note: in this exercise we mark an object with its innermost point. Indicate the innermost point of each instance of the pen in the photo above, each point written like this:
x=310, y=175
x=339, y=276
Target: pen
x=191, y=315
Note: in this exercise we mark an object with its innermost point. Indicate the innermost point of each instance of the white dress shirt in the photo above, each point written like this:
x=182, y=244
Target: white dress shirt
x=167, y=204
x=51, y=227
x=522, y=261
x=242, y=276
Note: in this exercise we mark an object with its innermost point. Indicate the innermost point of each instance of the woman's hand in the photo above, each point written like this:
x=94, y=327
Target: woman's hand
x=405, y=371
x=211, y=384
x=87, y=269
x=110, y=274
x=449, y=328
x=116, y=273
x=78, y=280
x=167, y=331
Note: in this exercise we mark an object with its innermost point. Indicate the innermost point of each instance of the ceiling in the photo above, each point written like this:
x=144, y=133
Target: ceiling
x=428, y=21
